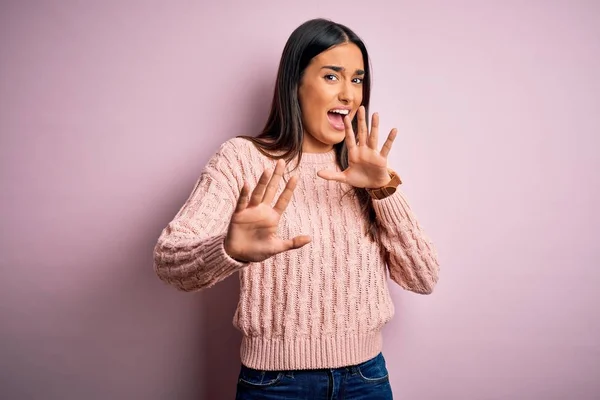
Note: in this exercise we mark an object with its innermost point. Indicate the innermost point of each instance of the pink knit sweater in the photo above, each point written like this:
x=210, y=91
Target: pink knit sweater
x=321, y=306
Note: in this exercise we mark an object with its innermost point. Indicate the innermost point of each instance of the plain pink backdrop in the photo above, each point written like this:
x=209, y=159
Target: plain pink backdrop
x=109, y=111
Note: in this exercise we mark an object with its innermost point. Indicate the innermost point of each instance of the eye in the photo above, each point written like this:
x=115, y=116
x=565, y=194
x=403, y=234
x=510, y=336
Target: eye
x=330, y=77
x=358, y=80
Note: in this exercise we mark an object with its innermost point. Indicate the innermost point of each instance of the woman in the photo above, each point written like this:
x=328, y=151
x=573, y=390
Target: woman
x=315, y=238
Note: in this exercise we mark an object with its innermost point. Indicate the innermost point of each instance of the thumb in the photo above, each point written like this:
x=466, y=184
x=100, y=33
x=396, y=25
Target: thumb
x=295, y=243
x=332, y=175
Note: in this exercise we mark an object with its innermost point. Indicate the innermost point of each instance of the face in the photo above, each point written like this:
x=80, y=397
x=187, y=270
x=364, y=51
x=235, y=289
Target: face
x=332, y=86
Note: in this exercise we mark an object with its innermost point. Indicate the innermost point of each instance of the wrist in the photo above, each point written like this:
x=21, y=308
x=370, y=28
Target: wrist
x=387, y=189
x=231, y=254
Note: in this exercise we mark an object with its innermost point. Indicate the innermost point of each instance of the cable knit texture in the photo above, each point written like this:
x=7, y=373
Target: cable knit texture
x=321, y=306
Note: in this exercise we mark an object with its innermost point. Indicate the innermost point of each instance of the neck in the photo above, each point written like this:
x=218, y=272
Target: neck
x=311, y=145
x=318, y=157
x=316, y=150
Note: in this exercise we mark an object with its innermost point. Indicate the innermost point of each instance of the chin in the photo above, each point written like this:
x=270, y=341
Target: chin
x=330, y=140
x=328, y=137
x=339, y=139
x=333, y=136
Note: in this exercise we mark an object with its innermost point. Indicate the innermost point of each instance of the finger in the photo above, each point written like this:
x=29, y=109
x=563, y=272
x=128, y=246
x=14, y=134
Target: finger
x=274, y=182
x=259, y=190
x=332, y=175
x=374, y=136
x=243, y=200
x=286, y=195
x=294, y=243
x=362, y=126
x=387, y=146
x=350, y=139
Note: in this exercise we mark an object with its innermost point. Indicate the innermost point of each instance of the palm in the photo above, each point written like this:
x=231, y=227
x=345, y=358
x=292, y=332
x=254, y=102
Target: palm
x=367, y=167
x=252, y=233
x=256, y=227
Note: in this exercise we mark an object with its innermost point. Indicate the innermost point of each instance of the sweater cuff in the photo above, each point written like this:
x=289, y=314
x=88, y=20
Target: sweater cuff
x=394, y=210
x=216, y=257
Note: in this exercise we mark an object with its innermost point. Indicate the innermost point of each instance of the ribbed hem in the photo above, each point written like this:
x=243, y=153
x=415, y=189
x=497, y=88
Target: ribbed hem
x=311, y=353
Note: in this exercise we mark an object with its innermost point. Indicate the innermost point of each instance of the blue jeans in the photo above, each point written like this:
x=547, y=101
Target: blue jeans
x=368, y=380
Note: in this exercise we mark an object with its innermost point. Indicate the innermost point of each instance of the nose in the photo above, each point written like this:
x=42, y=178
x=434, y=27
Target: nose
x=346, y=94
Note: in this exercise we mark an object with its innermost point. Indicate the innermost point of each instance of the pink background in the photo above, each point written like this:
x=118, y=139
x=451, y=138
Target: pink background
x=109, y=110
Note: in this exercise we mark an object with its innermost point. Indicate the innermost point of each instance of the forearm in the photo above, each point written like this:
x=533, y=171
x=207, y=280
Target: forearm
x=192, y=264
x=411, y=256
x=189, y=253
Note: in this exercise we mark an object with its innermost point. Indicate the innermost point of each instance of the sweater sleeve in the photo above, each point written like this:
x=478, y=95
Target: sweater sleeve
x=410, y=255
x=189, y=253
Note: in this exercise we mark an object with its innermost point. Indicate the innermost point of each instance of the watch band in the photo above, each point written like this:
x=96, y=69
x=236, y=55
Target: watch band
x=387, y=190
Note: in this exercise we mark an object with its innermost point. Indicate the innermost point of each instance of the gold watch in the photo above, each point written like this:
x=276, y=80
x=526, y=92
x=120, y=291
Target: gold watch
x=388, y=189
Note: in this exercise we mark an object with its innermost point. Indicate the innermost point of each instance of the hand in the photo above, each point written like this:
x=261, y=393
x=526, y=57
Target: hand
x=367, y=168
x=251, y=235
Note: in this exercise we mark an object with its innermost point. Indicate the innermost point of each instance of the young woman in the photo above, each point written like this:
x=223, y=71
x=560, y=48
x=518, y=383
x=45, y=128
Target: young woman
x=310, y=216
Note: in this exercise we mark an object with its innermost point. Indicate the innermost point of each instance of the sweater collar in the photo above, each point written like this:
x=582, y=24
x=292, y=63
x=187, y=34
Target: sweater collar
x=318, y=158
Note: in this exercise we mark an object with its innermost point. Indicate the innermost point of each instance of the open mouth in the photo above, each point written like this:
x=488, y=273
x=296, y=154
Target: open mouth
x=336, y=118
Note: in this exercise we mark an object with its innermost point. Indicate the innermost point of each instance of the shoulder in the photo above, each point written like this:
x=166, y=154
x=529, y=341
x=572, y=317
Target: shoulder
x=237, y=155
x=238, y=145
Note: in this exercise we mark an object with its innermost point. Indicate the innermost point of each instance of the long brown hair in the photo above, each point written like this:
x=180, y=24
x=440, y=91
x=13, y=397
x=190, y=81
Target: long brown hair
x=283, y=132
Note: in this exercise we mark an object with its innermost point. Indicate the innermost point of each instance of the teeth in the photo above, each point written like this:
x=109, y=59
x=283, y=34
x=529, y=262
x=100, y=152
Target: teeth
x=343, y=112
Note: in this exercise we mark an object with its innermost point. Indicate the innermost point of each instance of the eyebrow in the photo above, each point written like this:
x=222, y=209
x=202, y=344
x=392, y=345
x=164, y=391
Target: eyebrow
x=342, y=69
